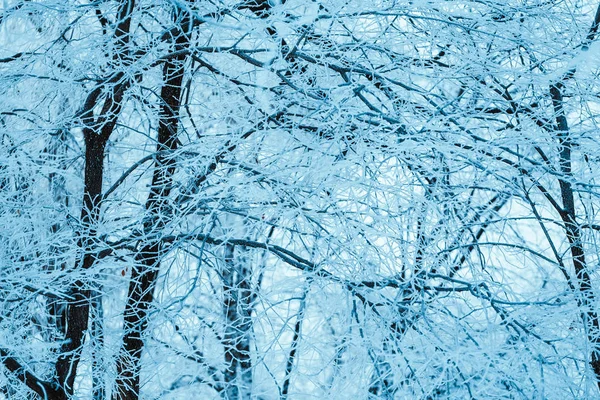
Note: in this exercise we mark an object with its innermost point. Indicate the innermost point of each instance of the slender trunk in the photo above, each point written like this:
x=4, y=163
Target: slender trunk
x=292, y=355
x=237, y=308
x=586, y=298
x=382, y=378
x=145, y=270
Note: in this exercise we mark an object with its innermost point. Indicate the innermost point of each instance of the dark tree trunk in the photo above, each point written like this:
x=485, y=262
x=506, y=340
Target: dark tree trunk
x=586, y=297
x=78, y=308
x=145, y=270
x=97, y=132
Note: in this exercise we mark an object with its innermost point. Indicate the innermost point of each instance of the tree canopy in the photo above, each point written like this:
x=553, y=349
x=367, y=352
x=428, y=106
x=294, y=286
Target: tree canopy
x=293, y=199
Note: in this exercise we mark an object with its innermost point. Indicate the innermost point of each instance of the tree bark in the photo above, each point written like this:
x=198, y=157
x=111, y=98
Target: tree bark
x=145, y=271
x=96, y=132
x=586, y=298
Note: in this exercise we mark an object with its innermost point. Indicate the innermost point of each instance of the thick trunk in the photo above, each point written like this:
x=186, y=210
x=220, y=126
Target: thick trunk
x=78, y=309
x=97, y=132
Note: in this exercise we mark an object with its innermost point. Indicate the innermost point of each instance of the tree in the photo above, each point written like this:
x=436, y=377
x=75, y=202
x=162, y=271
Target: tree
x=264, y=199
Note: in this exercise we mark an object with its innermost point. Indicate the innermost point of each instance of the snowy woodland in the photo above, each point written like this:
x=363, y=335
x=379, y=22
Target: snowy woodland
x=299, y=199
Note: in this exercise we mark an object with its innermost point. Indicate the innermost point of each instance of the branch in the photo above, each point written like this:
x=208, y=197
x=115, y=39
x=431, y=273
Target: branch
x=12, y=58
x=45, y=390
x=125, y=174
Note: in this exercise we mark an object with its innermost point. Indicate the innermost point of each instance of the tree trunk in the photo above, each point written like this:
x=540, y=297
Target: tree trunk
x=586, y=298
x=78, y=309
x=145, y=270
x=237, y=308
x=96, y=132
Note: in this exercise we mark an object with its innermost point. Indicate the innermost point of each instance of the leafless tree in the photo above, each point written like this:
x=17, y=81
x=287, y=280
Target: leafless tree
x=279, y=199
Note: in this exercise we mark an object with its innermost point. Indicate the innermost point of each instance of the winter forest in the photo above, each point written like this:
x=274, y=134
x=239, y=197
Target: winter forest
x=299, y=199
